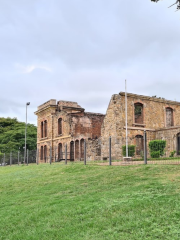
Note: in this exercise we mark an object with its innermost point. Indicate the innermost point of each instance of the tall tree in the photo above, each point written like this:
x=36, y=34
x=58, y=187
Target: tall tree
x=12, y=135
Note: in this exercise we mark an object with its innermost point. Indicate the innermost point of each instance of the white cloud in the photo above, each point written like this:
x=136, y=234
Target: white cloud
x=31, y=68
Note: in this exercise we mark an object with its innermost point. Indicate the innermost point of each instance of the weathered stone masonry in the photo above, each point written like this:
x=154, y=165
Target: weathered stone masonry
x=158, y=116
x=64, y=123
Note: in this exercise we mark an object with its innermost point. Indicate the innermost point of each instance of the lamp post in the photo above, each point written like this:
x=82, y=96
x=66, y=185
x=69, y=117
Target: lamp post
x=27, y=104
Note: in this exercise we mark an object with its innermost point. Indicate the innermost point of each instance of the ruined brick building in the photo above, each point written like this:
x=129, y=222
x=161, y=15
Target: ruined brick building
x=64, y=123
x=158, y=116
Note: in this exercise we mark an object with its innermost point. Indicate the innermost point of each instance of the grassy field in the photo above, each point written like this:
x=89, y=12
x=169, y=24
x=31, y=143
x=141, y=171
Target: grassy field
x=90, y=202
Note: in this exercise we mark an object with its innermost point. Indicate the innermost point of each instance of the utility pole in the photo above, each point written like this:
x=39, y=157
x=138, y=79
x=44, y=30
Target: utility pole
x=27, y=104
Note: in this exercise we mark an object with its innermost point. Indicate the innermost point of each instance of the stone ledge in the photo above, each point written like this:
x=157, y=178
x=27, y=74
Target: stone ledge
x=127, y=159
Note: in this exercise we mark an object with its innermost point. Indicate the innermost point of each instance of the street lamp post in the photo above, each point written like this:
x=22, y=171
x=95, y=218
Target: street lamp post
x=27, y=104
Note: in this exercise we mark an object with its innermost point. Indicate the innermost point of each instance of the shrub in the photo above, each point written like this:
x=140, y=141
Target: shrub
x=155, y=154
x=172, y=153
x=157, y=145
x=131, y=150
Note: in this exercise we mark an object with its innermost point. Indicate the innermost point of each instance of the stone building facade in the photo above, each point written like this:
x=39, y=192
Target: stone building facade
x=159, y=117
x=63, y=122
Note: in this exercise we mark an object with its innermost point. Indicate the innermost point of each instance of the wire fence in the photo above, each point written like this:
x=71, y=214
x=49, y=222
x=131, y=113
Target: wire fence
x=18, y=158
x=146, y=148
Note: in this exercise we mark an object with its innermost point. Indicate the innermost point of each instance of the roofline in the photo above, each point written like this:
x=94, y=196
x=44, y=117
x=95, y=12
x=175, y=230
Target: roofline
x=155, y=99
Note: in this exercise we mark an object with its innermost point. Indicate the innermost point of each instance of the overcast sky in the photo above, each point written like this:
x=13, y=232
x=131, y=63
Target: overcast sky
x=83, y=50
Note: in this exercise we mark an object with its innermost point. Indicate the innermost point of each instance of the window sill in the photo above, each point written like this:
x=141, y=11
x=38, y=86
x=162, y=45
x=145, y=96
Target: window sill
x=139, y=125
x=43, y=138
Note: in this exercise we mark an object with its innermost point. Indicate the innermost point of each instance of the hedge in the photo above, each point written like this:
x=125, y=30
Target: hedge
x=157, y=148
x=131, y=150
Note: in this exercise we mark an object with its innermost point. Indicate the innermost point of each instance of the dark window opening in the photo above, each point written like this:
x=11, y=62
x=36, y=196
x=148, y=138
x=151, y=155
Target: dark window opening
x=139, y=145
x=72, y=151
x=45, y=153
x=60, y=154
x=59, y=126
x=82, y=149
x=41, y=152
x=138, y=113
x=45, y=128
x=42, y=130
x=178, y=144
x=77, y=149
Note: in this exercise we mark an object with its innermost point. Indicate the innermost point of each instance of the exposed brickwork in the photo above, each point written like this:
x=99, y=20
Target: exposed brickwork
x=159, y=117
x=76, y=126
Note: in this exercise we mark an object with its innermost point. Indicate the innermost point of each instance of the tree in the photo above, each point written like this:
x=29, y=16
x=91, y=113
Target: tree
x=177, y=2
x=12, y=135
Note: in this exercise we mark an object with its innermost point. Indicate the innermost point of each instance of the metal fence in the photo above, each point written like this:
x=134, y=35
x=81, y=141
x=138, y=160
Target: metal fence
x=147, y=148
x=18, y=158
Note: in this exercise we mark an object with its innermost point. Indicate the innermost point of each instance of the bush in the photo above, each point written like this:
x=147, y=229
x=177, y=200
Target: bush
x=155, y=154
x=157, y=145
x=131, y=150
x=172, y=154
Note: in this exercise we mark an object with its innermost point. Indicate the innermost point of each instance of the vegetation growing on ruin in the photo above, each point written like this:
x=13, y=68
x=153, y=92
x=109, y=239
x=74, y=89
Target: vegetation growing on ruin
x=12, y=135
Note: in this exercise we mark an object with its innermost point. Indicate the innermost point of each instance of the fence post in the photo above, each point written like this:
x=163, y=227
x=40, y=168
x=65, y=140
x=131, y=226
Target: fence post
x=84, y=152
x=27, y=156
x=145, y=147
x=110, y=150
x=10, y=158
x=37, y=156
x=18, y=158
x=50, y=154
x=55, y=154
x=4, y=159
x=66, y=153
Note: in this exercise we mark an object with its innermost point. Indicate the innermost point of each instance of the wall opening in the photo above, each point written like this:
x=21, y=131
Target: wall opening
x=45, y=128
x=59, y=126
x=42, y=130
x=169, y=117
x=60, y=154
x=72, y=151
x=82, y=149
x=138, y=113
x=139, y=145
x=45, y=153
x=178, y=144
x=41, y=152
x=77, y=149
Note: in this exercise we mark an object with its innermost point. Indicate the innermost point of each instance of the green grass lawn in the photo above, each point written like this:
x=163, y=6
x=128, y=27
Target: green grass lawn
x=90, y=202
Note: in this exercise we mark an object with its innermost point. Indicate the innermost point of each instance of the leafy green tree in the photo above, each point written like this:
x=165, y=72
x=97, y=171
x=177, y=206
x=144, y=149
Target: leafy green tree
x=12, y=135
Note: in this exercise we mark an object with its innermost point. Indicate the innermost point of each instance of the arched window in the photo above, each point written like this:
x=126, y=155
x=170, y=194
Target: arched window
x=45, y=153
x=60, y=154
x=139, y=144
x=82, y=149
x=77, y=149
x=138, y=113
x=42, y=130
x=72, y=150
x=59, y=126
x=41, y=152
x=169, y=117
x=178, y=144
x=45, y=128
